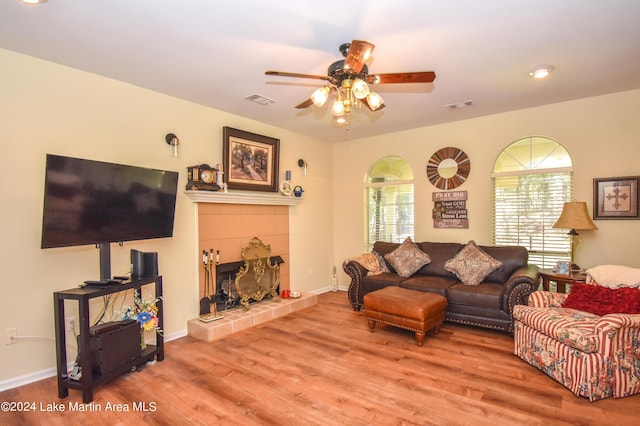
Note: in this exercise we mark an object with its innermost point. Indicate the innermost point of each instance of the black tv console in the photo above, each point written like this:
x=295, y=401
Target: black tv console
x=83, y=295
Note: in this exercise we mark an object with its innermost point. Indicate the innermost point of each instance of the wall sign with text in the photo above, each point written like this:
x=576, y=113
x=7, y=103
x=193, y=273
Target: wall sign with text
x=450, y=210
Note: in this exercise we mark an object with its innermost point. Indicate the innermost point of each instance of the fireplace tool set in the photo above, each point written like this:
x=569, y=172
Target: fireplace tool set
x=207, y=302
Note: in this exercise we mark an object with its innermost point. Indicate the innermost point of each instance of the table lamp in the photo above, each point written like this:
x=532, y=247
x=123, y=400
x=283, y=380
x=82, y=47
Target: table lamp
x=574, y=216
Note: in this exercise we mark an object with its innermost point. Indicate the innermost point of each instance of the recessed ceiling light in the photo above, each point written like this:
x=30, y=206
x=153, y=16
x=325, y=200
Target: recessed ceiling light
x=33, y=1
x=541, y=71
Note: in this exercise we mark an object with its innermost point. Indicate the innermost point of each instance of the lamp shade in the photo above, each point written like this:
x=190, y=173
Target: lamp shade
x=575, y=216
x=338, y=108
x=360, y=88
x=375, y=101
x=319, y=97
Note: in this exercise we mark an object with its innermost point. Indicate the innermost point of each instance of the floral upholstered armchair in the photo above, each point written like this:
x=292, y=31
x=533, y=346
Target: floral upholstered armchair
x=587, y=340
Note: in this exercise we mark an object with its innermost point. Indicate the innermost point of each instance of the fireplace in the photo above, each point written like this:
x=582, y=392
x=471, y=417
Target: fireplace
x=226, y=222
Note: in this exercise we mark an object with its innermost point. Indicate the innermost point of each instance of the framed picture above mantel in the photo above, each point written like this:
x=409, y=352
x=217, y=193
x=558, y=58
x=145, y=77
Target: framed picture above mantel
x=615, y=197
x=250, y=161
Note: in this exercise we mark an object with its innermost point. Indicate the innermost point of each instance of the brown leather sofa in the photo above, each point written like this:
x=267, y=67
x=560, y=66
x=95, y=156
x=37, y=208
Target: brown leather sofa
x=489, y=304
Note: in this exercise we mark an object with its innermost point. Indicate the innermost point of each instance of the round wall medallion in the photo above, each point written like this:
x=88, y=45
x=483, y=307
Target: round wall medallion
x=448, y=168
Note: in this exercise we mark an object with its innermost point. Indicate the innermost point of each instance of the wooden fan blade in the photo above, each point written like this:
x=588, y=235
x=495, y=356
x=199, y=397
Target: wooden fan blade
x=297, y=75
x=364, y=101
x=359, y=52
x=305, y=104
x=402, y=77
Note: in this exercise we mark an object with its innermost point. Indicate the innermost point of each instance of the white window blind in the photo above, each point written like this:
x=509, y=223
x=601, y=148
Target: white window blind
x=388, y=202
x=526, y=205
x=389, y=212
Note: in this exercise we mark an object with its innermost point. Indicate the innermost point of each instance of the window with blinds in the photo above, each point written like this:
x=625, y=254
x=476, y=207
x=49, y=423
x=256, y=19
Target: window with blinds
x=532, y=180
x=389, y=202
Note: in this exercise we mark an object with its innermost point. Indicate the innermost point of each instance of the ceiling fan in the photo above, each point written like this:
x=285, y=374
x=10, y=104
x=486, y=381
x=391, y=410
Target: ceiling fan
x=350, y=78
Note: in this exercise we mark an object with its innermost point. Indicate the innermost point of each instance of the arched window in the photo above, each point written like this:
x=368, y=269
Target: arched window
x=532, y=179
x=388, y=201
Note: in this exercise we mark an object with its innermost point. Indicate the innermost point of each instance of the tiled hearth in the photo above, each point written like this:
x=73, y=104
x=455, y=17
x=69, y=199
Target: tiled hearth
x=236, y=320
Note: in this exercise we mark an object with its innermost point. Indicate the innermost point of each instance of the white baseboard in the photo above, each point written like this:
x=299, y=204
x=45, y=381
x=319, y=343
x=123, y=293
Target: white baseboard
x=27, y=379
x=51, y=372
x=327, y=290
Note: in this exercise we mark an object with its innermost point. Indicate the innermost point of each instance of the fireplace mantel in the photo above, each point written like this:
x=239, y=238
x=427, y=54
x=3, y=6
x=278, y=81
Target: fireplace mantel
x=242, y=197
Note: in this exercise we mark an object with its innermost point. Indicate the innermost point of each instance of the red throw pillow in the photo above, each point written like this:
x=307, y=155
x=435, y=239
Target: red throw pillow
x=602, y=300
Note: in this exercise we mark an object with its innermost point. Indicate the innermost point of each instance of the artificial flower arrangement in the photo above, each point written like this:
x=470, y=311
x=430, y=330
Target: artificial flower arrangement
x=145, y=312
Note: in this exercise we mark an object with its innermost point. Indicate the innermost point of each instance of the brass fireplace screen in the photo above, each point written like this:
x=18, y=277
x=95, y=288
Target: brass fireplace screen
x=259, y=276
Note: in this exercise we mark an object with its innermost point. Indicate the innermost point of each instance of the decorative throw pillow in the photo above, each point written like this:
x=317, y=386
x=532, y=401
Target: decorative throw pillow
x=381, y=262
x=368, y=262
x=615, y=276
x=407, y=258
x=602, y=300
x=472, y=265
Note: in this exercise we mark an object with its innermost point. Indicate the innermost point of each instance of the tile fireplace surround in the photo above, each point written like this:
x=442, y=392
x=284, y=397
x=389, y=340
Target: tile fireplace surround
x=235, y=320
x=262, y=215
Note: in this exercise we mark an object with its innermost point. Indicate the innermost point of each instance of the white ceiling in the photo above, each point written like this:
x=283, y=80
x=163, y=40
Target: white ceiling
x=215, y=53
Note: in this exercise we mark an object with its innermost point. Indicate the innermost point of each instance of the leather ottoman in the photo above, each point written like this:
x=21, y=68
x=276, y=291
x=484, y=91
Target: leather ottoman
x=413, y=310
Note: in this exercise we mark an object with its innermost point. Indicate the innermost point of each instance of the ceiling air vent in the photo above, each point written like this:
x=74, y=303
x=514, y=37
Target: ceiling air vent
x=459, y=105
x=259, y=99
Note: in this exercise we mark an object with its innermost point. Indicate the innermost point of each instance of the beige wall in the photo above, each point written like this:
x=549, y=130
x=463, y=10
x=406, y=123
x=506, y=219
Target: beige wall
x=48, y=108
x=601, y=134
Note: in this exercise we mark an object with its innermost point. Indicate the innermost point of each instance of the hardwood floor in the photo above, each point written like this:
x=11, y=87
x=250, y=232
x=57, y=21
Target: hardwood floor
x=321, y=366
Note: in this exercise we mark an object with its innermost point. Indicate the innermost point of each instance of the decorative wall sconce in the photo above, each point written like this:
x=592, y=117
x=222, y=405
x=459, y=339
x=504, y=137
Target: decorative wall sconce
x=173, y=140
x=303, y=164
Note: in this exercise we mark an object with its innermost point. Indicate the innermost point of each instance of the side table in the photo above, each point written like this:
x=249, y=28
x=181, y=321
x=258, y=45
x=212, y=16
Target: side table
x=561, y=280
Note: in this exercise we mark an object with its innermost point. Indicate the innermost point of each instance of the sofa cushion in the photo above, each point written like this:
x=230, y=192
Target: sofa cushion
x=378, y=281
x=439, y=254
x=602, y=300
x=472, y=264
x=485, y=295
x=407, y=258
x=569, y=326
x=428, y=283
x=512, y=258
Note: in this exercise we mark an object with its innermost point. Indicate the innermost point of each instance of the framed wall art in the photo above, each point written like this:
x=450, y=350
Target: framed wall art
x=615, y=198
x=250, y=161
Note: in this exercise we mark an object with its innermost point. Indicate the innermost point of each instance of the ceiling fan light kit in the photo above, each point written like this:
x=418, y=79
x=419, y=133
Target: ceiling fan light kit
x=339, y=109
x=360, y=88
x=320, y=96
x=351, y=80
x=374, y=101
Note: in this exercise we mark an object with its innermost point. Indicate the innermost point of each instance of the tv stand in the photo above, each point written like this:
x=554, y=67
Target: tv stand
x=83, y=295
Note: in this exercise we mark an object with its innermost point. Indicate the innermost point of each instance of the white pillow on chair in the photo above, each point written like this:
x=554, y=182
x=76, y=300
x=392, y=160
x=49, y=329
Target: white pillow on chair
x=615, y=276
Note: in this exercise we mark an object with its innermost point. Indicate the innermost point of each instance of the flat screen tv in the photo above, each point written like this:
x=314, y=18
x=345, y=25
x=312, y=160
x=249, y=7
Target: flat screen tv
x=94, y=202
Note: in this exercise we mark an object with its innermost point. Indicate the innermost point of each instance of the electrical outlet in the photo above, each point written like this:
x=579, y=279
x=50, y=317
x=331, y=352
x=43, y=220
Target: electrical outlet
x=70, y=324
x=9, y=336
